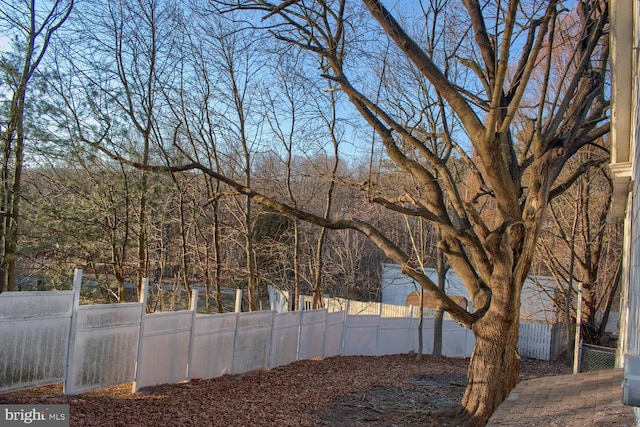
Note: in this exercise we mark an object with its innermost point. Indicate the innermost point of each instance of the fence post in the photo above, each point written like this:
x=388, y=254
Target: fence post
x=578, y=337
x=550, y=336
x=235, y=342
x=271, y=346
x=412, y=335
x=71, y=344
x=193, y=306
x=270, y=343
x=300, y=313
x=377, y=352
x=238, y=307
x=345, y=323
x=324, y=335
x=143, y=314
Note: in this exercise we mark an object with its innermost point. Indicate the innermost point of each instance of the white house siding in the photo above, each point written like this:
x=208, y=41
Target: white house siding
x=633, y=293
x=631, y=307
x=625, y=162
x=633, y=341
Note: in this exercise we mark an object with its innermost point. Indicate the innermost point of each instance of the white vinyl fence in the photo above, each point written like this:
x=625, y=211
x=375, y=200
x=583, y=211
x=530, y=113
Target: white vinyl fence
x=34, y=338
x=47, y=337
x=536, y=340
x=103, y=346
x=543, y=341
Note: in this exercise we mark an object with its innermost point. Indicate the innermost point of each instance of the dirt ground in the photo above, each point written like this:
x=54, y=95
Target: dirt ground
x=338, y=391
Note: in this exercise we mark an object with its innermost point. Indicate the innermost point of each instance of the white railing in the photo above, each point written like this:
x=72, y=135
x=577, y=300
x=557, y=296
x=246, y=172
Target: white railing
x=47, y=337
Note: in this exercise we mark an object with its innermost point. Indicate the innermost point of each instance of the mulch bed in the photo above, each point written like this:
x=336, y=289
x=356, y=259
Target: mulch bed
x=338, y=391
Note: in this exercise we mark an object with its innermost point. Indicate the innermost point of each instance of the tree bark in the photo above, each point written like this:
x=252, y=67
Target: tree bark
x=14, y=146
x=494, y=366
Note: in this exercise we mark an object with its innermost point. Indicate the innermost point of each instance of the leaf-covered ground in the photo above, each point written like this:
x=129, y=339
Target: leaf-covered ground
x=338, y=391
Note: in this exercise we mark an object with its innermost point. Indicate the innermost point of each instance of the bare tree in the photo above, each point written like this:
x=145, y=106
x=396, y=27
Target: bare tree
x=516, y=138
x=285, y=129
x=586, y=248
x=331, y=122
x=492, y=255
x=238, y=65
x=193, y=107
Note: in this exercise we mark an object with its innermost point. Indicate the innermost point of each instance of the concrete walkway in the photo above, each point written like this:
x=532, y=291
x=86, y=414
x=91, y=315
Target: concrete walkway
x=584, y=400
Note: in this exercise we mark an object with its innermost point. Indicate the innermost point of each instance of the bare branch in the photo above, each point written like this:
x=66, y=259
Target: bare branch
x=580, y=171
x=468, y=117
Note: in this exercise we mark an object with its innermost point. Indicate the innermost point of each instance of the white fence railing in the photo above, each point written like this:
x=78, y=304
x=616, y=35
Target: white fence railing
x=47, y=337
x=544, y=341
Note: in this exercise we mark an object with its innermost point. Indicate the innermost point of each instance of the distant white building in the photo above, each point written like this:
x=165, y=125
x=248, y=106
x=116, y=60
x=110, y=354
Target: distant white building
x=537, y=294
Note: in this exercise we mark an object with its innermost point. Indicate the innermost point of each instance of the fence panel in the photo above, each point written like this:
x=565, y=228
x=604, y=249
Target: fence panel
x=596, y=358
x=333, y=334
x=558, y=340
x=214, y=335
x=312, y=331
x=285, y=338
x=534, y=340
x=45, y=338
x=470, y=342
x=336, y=304
x=34, y=338
x=360, y=333
x=105, y=346
x=253, y=339
x=393, y=336
x=165, y=348
x=390, y=310
x=457, y=341
x=427, y=334
x=362, y=308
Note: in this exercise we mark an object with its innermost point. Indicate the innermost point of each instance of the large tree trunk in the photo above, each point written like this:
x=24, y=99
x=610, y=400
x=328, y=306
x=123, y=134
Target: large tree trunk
x=494, y=366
